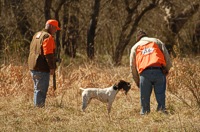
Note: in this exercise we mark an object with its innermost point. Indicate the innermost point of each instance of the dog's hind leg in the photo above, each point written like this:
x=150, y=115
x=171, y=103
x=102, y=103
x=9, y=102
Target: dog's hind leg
x=85, y=103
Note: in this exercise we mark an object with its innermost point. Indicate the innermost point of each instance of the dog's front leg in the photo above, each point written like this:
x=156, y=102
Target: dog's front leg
x=85, y=102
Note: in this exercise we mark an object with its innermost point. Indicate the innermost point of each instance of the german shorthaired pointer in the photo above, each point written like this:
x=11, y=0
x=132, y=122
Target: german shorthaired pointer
x=106, y=95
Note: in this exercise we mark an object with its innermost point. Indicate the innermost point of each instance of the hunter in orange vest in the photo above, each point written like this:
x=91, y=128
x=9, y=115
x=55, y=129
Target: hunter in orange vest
x=41, y=60
x=149, y=64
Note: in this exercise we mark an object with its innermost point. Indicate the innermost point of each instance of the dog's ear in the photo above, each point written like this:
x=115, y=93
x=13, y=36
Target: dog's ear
x=121, y=81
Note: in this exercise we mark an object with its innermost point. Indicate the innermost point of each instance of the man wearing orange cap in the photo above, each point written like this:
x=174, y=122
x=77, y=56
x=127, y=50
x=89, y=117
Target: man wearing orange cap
x=41, y=60
x=149, y=64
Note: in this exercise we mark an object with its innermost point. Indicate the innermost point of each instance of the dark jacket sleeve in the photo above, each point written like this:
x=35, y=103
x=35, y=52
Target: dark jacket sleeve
x=51, y=61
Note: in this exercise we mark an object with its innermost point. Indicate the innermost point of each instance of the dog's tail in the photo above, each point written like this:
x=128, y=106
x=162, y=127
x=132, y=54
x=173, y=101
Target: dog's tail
x=81, y=89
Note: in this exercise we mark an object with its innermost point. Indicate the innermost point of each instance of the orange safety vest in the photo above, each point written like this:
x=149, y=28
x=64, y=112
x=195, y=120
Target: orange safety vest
x=48, y=45
x=149, y=55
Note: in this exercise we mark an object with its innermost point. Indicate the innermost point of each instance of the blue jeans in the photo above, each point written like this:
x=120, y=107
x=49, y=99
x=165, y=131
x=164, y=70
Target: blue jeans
x=148, y=79
x=41, y=84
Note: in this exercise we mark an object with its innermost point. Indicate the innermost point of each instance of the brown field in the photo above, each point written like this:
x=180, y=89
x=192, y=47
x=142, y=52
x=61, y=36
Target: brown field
x=63, y=108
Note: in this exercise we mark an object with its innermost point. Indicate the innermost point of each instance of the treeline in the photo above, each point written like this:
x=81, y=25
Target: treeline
x=100, y=27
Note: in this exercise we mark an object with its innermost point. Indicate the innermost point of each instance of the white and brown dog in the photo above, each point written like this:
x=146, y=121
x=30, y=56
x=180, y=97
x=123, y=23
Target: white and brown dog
x=105, y=95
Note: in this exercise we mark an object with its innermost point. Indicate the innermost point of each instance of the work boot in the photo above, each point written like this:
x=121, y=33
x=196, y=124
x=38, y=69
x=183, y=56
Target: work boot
x=144, y=112
x=162, y=110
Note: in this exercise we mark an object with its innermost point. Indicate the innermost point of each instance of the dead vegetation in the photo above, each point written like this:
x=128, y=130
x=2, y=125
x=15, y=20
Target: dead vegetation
x=63, y=108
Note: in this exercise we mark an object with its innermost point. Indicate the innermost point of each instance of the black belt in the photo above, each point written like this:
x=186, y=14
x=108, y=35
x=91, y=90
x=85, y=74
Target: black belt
x=152, y=68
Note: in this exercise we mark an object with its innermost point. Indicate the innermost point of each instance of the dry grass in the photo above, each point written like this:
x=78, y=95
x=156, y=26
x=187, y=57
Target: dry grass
x=63, y=108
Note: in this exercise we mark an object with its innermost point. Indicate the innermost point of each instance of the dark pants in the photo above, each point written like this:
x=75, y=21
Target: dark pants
x=148, y=79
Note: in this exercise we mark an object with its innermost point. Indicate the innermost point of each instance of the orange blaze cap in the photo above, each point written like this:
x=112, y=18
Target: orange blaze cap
x=54, y=23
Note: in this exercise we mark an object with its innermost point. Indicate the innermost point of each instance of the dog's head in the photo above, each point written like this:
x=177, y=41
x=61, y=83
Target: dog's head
x=123, y=85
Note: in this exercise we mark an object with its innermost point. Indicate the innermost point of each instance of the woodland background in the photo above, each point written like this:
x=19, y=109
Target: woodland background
x=94, y=46
x=100, y=27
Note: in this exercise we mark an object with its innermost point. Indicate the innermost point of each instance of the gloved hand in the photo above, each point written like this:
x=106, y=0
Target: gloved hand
x=164, y=70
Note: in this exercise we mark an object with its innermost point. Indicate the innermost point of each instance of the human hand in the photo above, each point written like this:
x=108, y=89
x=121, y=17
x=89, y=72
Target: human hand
x=164, y=70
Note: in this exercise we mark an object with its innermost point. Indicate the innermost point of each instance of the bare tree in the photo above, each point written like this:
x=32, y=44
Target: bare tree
x=1, y=36
x=47, y=9
x=70, y=24
x=196, y=38
x=64, y=25
x=70, y=28
x=56, y=12
x=91, y=29
x=175, y=21
x=133, y=18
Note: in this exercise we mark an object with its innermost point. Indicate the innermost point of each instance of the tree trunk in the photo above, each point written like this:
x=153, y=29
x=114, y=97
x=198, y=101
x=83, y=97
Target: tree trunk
x=175, y=21
x=65, y=23
x=131, y=22
x=196, y=39
x=58, y=48
x=91, y=30
x=47, y=9
x=70, y=29
x=1, y=37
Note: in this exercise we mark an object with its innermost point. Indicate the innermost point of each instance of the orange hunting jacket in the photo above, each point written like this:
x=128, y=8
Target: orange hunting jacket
x=148, y=52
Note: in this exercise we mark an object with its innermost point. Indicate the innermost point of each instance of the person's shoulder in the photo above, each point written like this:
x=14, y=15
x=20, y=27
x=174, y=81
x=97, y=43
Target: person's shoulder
x=136, y=45
x=38, y=34
x=45, y=34
x=158, y=41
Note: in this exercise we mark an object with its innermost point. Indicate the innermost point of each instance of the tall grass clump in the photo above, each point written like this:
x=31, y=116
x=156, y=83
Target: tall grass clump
x=184, y=81
x=63, y=107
